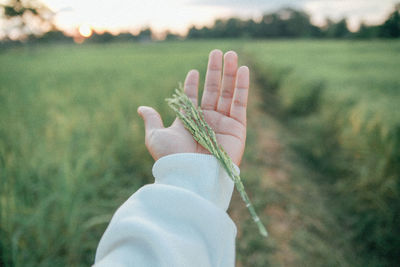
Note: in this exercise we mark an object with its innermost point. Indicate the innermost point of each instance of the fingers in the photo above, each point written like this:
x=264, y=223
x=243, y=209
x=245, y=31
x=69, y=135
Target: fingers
x=239, y=103
x=213, y=81
x=191, y=85
x=152, y=120
x=228, y=83
x=232, y=100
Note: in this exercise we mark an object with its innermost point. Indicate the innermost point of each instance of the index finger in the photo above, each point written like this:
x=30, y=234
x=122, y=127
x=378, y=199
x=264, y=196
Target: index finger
x=191, y=85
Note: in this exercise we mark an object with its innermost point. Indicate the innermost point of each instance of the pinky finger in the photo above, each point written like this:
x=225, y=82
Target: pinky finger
x=239, y=103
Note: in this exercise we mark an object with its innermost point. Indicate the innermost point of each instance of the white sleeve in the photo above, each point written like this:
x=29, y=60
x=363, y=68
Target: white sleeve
x=180, y=220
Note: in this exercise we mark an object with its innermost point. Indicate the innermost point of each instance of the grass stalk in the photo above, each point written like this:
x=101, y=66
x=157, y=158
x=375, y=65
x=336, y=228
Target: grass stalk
x=193, y=119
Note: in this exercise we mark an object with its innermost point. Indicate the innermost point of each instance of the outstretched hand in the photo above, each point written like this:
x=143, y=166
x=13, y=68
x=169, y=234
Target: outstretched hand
x=224, y=105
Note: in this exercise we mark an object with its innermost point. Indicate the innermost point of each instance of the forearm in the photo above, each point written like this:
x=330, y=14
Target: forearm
x=180, y=220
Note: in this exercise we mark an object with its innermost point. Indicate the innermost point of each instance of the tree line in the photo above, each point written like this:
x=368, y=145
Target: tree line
x=292, y=23
x=284, y=23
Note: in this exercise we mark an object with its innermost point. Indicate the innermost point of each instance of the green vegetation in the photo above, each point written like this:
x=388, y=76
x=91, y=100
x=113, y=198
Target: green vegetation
x=343, y=98
x=71, y=143
x=72, y=147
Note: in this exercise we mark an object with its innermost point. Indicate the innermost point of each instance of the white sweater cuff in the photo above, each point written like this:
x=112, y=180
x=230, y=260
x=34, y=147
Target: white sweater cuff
x=198, y=173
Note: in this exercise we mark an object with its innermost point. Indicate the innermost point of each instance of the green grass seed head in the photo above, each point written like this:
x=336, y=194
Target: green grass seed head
x=192, y=118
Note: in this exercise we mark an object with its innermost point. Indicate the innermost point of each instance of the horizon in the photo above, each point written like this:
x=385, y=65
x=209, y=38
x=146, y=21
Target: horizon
x=114, y=16
x=75, y=17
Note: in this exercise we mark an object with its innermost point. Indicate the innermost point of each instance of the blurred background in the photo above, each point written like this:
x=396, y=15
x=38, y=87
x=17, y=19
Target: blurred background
x=322, y=162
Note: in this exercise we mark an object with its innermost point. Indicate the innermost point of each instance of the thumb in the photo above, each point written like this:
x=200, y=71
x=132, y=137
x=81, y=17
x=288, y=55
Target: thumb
x=152, y=120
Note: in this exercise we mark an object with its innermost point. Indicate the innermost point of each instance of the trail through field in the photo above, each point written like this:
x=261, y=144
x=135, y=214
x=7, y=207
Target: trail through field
x=303, y=231
x=72, y=150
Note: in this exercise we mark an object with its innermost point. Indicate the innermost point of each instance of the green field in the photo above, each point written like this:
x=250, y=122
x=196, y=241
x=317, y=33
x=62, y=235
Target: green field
x=343, y=99
x=72, y=146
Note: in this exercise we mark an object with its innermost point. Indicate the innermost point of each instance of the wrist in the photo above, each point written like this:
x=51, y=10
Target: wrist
x=200, y=173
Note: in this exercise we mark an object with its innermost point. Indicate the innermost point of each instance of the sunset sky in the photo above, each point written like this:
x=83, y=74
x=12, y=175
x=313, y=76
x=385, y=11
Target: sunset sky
x=178, y=15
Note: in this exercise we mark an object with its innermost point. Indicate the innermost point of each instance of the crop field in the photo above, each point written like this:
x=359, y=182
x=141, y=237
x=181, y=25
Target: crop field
x=72, y=146
x=343, y=98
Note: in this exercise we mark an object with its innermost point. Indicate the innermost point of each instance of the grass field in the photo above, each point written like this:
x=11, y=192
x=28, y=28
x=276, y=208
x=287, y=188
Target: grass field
x=72, y=146
x=343, y=98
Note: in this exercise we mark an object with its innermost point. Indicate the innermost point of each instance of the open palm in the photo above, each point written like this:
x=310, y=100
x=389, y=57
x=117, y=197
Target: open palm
x=224, y=104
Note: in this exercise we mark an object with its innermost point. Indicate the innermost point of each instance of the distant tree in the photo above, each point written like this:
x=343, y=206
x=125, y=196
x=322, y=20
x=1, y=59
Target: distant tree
x=391, y=27
x=169, y=36
x=218, y=30
x=193, y=33
x=207, y=32
x=366, y=31
x=292, y=23
x=53, y=36
x=297, y=23
x=251, y=29
x=316, y=32
x=101, y=37
x=204, y=32
x=145, y=35
x=125, y=36
x=337, y=30
x=20, y=16
x=234, y=28
x=270, y=26
x=286, y=23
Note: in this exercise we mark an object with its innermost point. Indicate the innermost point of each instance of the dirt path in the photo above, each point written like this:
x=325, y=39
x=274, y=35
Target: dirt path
x=295, y=207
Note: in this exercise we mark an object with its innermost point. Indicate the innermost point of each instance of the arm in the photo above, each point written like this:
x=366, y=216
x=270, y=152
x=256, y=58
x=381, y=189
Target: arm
x=181, y=219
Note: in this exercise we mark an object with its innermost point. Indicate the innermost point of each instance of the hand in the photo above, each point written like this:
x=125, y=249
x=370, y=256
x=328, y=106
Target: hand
x=224, y=105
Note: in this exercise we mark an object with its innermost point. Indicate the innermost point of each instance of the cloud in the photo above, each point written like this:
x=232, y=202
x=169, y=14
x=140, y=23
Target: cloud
x=259, y=4
x=248, y=8
x=371, y=11
x=250, y=4
x=116, y=15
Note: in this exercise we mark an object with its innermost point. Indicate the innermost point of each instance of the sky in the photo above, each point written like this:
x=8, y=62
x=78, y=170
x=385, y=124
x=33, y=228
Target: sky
x=178, y=15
